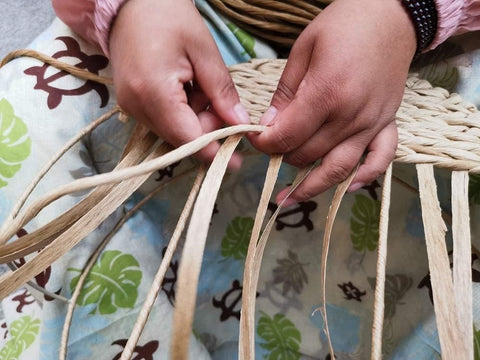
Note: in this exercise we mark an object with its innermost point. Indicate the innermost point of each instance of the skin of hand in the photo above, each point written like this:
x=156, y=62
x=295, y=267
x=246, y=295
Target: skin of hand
x=169, y=74
x=338, y=94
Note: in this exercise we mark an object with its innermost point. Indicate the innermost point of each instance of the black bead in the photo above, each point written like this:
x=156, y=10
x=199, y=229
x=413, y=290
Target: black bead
x=424, y=18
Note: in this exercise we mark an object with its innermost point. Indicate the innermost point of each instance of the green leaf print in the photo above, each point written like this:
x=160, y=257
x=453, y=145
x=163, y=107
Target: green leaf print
x=476, y=343
x=14, y=142
x=291, y=273
x=364, y=223
x=441, y=74
x=23, y=332
x=112, y=283
x=235, y=242
x=245, y=39
x=282, y=338
x=396, y=286
x=474, y=189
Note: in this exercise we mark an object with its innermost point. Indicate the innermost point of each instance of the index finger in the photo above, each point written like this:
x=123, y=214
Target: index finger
x=170, y=116
x=297, y=122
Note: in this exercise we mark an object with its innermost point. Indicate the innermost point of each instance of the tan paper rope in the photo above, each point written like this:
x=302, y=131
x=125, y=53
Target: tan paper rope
x=435, y=128
x=192, y=254
x=252, y=272
x=71, y=69
x=379, y=297
x=462, y=255
x=246, y=341
x=87, y=130
x=331, y=215
x=91, y=262
x=279, y=22
x=157, y=281
x=132, y=341
x=448, y=322
x=40, y=238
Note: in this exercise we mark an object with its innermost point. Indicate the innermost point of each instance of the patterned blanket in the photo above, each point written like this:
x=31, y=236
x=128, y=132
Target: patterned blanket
x=41, y=108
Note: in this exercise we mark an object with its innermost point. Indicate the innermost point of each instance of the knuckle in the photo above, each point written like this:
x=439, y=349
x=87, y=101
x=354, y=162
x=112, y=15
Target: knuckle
x=299, y=159
x=375, y=172
x=283, y=93
x=378, y=168
x=225, y=89
x=330, y=91
x=283, y=141
x=304, y=193
x=389, y=155
x=137, y=86
x=131, y=90
x=339, y=172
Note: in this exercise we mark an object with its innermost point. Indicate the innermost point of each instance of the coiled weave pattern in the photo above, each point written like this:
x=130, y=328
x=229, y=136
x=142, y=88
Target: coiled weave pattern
x=279, y=22
x=435, y=127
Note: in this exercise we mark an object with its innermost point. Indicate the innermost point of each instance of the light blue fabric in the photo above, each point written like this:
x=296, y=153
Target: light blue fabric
x=231, y=50
x=288, y=288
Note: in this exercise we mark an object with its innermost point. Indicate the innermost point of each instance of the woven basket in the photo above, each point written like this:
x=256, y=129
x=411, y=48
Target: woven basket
x=278, y=22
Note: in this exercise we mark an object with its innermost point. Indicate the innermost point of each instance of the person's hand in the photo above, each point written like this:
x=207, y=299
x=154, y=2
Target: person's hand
x=339, y=92
x=167, y=71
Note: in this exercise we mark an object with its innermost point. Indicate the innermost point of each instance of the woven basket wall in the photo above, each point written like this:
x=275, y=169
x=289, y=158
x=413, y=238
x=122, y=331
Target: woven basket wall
x=278, y=22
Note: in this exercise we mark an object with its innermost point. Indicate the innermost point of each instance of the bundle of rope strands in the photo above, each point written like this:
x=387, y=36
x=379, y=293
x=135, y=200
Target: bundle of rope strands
x=435, y=129
x=278, y=22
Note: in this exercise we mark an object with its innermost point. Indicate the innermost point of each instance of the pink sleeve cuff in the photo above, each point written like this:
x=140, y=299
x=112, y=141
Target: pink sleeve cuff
x=91, y=19
x=105, y=13
x=456, y=17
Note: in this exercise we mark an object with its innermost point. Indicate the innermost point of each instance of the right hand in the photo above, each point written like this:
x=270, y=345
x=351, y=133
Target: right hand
x=168, y=71
x=338, y=95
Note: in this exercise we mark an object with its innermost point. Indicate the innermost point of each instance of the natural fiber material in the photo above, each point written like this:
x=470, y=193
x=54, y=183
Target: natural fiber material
x=332, y=214
x=91, y=262
x=279, y=22
x=252, y=270
x=192, y=254
x=462, y=255
x=434, y=127
x=120, y=175
x=164, y=265
x=448, y=322
x=71, y=69
x=379, y=301
x=246, y=341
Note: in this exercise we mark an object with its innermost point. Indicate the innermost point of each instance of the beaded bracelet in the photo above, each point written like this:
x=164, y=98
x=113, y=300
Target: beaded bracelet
x=424, y=17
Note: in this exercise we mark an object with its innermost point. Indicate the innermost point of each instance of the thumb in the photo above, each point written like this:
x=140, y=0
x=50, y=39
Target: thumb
x=293, y=74
x=214, y=79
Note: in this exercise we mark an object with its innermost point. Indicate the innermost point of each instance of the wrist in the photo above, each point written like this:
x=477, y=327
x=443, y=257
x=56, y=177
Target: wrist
x=400, y=26
x=423, y=15
x=104, y=16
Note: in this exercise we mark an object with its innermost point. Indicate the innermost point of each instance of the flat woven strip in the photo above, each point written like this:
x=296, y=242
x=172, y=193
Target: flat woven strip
x=434, y=126
x=446, y=314
x=462, y=255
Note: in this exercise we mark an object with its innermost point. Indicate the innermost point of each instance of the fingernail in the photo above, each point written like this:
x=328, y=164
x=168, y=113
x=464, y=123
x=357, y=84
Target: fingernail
x=288, y=202
x=269, y=116
x=242, y=114
x=355, y=186
x=235, y=163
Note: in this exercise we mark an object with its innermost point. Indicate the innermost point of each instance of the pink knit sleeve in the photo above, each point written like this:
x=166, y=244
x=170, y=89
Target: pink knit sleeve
x=456, y=17
x=91, y=19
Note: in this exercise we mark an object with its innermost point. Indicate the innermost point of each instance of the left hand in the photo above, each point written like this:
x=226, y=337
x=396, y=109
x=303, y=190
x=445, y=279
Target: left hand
x=339, y=92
